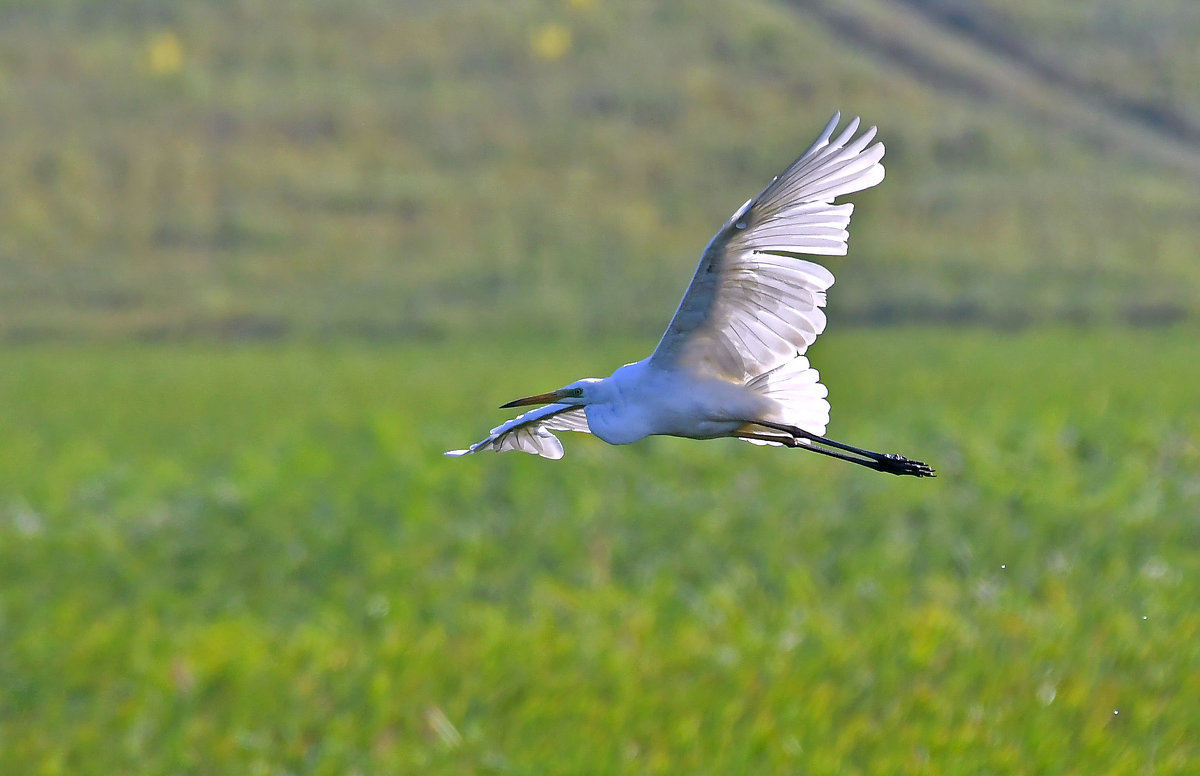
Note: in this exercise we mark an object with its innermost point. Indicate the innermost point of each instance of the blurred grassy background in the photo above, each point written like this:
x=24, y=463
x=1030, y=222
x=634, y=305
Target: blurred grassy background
x=261, y=263
x=401, y=169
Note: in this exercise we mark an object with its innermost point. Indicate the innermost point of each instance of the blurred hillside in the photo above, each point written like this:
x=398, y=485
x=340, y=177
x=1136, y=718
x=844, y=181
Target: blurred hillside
x=424, y=168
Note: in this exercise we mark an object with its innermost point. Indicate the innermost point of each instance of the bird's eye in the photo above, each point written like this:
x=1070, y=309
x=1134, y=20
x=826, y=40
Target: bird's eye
x=577, y=392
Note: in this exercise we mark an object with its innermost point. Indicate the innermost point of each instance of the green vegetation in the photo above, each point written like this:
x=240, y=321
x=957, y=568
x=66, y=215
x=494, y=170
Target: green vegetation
x=261, y=263
x=384, y=169
x=253, y=560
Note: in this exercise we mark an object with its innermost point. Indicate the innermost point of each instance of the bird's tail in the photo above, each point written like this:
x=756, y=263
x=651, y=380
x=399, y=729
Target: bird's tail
x=799, y=397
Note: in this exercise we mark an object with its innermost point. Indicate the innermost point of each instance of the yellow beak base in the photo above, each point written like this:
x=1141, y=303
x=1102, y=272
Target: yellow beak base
x=541, y=398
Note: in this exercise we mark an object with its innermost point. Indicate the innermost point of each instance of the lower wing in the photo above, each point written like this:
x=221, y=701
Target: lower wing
x=530, y=433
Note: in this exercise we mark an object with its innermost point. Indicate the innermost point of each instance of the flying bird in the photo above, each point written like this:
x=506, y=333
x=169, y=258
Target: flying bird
x=732, y=363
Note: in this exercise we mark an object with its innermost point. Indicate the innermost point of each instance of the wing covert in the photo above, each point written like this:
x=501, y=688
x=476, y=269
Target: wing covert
x=754, y=303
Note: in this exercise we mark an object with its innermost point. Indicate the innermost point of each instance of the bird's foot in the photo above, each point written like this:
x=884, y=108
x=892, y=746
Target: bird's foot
x=899, y=465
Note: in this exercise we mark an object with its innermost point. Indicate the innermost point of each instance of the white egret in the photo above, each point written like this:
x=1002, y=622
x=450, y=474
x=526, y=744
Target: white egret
x=731, y=363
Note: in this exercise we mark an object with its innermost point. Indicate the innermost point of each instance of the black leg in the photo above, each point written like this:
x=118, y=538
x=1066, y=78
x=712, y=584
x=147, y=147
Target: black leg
x=881, y=462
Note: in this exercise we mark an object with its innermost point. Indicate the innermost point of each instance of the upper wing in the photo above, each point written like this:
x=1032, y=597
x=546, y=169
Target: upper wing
x=753, y=303
x=530, y=433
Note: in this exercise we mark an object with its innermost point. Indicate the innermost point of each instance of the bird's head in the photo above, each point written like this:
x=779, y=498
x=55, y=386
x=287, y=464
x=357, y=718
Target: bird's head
x=579, y=393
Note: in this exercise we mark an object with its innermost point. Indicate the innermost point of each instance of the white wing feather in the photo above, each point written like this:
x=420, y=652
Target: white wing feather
x=530, y=432
x=753, y=304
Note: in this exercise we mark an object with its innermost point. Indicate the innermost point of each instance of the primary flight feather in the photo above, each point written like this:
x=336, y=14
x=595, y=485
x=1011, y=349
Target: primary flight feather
x=731, y=362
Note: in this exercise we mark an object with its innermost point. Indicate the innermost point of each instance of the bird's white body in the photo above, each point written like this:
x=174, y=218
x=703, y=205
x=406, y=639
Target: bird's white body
x=641, y=400
x=731, y=362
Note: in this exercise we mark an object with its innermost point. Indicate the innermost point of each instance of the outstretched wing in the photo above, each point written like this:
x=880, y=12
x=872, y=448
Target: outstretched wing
x=530, y=433
x=753, y=303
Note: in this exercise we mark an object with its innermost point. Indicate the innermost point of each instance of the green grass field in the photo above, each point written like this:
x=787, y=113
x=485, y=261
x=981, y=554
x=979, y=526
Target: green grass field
x=256, y=560
x=261, y=263
x=399, y=169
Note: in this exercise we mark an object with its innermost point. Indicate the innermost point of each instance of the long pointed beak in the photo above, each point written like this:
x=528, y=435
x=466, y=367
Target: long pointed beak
x=541, y=398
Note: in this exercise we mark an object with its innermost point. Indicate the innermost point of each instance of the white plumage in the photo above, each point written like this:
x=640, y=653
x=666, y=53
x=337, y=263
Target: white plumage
x=530, y=432
x=731, y=362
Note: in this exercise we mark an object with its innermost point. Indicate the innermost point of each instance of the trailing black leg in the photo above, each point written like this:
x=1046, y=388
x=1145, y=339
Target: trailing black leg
x=882, y=462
